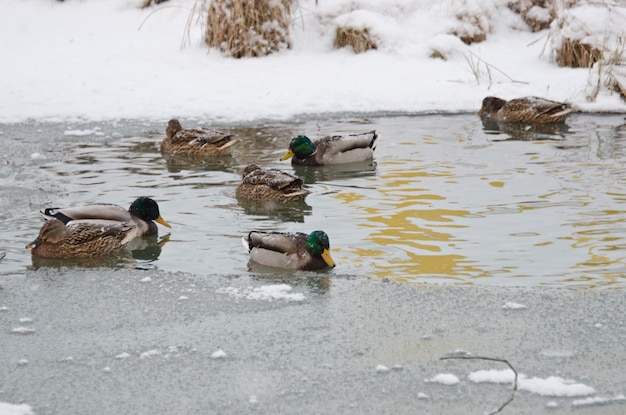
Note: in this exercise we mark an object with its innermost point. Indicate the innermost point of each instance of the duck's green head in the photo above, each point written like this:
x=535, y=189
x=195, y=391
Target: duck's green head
x=318, y=244
x=300, y=146
x=147, y=209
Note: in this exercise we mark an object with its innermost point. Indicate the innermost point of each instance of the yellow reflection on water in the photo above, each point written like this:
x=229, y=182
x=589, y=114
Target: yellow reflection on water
x=413, y=236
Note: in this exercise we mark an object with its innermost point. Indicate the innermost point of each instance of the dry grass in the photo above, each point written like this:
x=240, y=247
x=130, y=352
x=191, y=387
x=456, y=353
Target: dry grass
x=359, y=39
x=538, y=14
x=472, y=28
x=148, y=3
x=575, y=54
x=248, y=28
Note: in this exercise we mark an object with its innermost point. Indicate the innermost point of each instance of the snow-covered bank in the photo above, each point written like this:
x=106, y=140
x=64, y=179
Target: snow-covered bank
x=92, y=60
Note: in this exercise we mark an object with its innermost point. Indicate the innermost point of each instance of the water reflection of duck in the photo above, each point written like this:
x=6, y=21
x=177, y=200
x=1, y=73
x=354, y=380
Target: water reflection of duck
x=195, y=141
x=82, y=238
x=335, y=149
x=270, y=184
x=335, y=171
x=147, y=248
x=193, y=162
x=527, y=110
x=143, y=211
x=526, y=132
x=292, y=211
x=290, y=250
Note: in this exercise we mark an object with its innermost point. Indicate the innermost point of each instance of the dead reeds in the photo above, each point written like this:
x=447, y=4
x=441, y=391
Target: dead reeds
x=575, y=54
x=360, y=40
x=248, y=28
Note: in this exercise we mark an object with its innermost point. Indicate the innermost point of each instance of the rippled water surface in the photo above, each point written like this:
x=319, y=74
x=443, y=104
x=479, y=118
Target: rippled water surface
x=445, y=199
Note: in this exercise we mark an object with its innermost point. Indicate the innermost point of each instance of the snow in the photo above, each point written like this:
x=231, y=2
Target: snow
x=94, y=60
x=264, y=293
x=510, y=305
x=11, y=409
x=447, y=379
x=218, y=354
x=550, y=386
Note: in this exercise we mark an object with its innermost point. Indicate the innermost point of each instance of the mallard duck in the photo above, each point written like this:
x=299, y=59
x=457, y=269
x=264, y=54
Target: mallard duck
x=334, y=149
x=527, y=110
x=81, y=238
x=143, y=211
x=195, y=141
x=270, y=184
x=296, y=250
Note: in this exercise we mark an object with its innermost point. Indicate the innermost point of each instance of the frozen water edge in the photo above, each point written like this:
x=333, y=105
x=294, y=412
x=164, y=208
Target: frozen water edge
x=317, y=355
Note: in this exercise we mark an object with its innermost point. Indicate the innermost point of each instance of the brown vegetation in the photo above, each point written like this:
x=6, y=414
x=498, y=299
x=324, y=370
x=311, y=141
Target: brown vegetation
x=473, y=27
x=248, y=28
x=575, y=54
x=359, y=39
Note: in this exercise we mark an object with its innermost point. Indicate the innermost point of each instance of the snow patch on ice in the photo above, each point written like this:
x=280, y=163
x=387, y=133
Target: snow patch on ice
x=265, y=292
x=550, y=386
x=445, y=379
x=11, y=409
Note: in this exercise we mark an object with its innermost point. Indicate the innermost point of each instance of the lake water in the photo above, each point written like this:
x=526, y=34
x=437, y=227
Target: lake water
x=445, y=200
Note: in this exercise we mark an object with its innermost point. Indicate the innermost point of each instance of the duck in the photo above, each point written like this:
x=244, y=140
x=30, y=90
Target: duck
x=195, y=141
x=290, y=250
x=81, y=238
x=335, y=149
x=143, y=211
x=526, y=110
x=270, y=184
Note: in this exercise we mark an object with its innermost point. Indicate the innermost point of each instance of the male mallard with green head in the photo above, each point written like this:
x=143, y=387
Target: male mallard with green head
x=270, y=184
x=195, y=141
x=143, y=211
x=293, y=250
x=336, y=149
x=527, y=110
x=81, y=238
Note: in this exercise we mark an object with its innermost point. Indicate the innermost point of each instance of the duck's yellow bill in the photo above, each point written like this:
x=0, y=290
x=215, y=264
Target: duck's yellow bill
x=163, y=222
x=326, y=257
x=289, y=154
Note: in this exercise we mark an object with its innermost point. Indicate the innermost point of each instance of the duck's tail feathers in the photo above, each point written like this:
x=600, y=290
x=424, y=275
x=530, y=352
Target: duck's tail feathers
x=54, y=213
x=374, y=141
x=247, y=243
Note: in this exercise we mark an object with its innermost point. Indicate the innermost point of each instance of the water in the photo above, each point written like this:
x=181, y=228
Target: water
x=445, y=199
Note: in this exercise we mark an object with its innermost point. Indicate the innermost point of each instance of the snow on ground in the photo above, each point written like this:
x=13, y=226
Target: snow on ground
x=94, y=60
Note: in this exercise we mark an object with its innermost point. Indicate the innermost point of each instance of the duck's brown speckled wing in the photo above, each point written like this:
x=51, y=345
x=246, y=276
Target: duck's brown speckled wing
x=289, y=243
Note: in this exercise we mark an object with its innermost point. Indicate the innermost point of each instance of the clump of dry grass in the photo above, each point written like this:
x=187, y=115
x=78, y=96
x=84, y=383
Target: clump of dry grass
x=575, y=54
x=248, y=28
x=360, y=40
x=472, y=27
x=538, y=14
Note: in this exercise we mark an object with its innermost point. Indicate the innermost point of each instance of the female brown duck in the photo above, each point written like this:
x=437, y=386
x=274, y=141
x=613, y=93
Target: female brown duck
x=81, y=238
